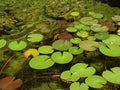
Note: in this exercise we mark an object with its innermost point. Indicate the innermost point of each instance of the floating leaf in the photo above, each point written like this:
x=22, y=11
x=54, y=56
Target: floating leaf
x=71, y=29
x=82, y=34
x=112, y=76
x=46, y=49
x=102, y=36
x=96, y=15
x=95, y=81
x=41, y=62
x=62, y=58
x=8, y=83
x=14, y=45
x=35, y=37
x=83, y=69
x=62, y=45
x=74, y=13
x=75, y=40
x=78, y=86
x=2, y=43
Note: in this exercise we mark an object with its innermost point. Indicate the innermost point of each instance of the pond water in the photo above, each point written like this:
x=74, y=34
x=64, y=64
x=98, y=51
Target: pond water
x=59, y=45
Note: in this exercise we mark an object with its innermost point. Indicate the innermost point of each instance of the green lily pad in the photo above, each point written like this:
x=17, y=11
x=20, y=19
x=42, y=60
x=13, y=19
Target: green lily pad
x=62, y=45
x=95, y=81
x=82, y=34
x=91, y=38
x=82, y=27
x=96, y=15
x=75, y=50
x=102, y=36
x=35, y=37
x=75, y=13
x=88, y=21
x=82, y=69
x=112, y=76
x=68, y=76
x=112, y=40
x=71, y=29
x=99, y=28
x=78, y=86
x=14, y=45
x=46, y=49
x=89, y=45
x=110, y=50
x=62, y=57
x=75, y=40
x=2, y=43
x=41, y=62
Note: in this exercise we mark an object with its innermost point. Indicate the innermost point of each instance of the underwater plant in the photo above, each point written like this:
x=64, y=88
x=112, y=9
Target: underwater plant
x=2, y=43
x=8, y=83
x=17, y=46
x=41, y=62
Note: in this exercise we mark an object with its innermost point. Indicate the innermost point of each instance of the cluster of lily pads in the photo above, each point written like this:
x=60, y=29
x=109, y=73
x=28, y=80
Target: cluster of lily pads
x=83, y=71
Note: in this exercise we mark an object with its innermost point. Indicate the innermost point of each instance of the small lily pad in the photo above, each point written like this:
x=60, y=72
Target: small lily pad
x=82, y=27
x=62, y=58
x=62, y=45
x=75, y=40
x=75, y=50
x=95, y=81
x=71, y=29
x=46, y=49
x=14, y=45
x=88, y=21
x=102, y=36
x=112, y=76
x=2, y=43
x=96, y=15
x=82, y=34
x=89, y=45
x=83, y=69
x=41, y=62
x=35, y=37
x=78, y=86
x=75, y=13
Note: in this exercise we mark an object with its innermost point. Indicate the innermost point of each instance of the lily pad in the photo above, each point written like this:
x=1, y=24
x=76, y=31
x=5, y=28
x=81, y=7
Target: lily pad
x=96, y=15
x=82, y=69
x=46, y=49
x=102, y=36
x=62, y=57
x=75, y=50
x=71, y=29
x=68, y=76
x=78, y=86
x=75, y=40
x=88, y=21
x=82, y=27
x=75, y=13
x=110, y=50
x=14, y=45
x=62, y=45
x=112, y=76
x=2, y=43
x=112, y=40
x=99, y=28
x=95, y=81
x=82, y=34
x=41, y=62
x=35, y=37
x=89, y=45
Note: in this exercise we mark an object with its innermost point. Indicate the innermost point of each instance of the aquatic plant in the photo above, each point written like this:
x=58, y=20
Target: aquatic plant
x=78, y=86
x=82, y=34
x=71, y=29
x=101, y=36
x=62, y=57
x=82, y=27
x=2, y=43
x=96, y=15
x=8, y=83
x=88, y=21
x=95, y=81
x=99, y=28
x=75, y=50
x=75, y=13
x=46, y=49
x=116, y=18
x=61, y=45
x=31, y=51
x=91, y=38
x=17, y=46
x=89, y=45
x=75, y=40
x=35, y=37
x=41, y=62
x=112, y=75
x=65, y=36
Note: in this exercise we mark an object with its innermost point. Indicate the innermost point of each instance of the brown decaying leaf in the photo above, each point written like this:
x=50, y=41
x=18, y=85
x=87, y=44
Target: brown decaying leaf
x=8, y=83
